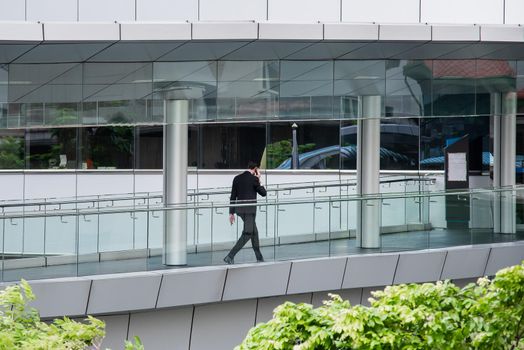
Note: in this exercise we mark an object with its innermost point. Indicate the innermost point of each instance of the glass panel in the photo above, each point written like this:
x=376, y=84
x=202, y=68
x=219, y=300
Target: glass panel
x=399, y=141
x=149, y=147
x=195, y=81
x=306, y=89
x=12, y=144
x=109, y=147
x=248, y=90
x=354, y=79
x=317, y=145
x=408, y=88
x=454, y=87
x=51, y=148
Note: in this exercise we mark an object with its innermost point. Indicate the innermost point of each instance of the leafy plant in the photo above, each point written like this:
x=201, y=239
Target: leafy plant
x=12, y=153
x=486, y=315
x=279, y=151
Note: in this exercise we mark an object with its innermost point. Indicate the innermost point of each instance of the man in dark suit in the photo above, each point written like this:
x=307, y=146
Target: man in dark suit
x=244, y=190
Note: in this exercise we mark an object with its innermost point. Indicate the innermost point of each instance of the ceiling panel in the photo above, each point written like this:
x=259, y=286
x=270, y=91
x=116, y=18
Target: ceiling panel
x=267, y=50
x=62, y=53
x=135, y=51
x=202, y=51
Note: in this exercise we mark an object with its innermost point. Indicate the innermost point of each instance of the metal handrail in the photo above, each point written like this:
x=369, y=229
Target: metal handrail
x=265, y=203
x=147, y=195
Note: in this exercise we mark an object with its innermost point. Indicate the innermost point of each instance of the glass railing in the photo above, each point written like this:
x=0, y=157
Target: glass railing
x=83, y=239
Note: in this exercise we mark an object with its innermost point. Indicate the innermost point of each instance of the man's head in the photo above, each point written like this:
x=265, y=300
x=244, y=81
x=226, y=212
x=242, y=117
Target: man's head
x=252, y=165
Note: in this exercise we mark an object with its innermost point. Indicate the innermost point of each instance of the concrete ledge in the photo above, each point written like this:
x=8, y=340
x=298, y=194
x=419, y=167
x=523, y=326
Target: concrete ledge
x=504, y=256
x=419, y=267
x=81, y=31
x=502, y=33
x=350, y=32
x=155, y=31
x=450, y=33
x=21, y=31
x=370, y=270
x=404, y=32
x=225, y=31
x=291, y=31
x=465, y=263
x=316, y=275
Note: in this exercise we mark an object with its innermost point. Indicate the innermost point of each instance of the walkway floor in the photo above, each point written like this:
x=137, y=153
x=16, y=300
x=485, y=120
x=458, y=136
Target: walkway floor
x=405, y=241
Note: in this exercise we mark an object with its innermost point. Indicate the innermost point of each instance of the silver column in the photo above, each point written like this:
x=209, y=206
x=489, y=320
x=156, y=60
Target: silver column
x=368, y=172
x=504, y=152
x=175, y=181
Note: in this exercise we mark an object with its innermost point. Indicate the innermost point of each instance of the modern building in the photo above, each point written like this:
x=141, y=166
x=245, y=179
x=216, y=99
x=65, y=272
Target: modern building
x=123, y=122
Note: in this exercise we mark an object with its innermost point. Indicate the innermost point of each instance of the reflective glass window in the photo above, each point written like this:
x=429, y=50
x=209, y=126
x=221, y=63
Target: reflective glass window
x=12, y=149
x=399, y=144
x=149, y=147
x=51, y=148
x=247, y=89
x=107, y=147
x=408, y=88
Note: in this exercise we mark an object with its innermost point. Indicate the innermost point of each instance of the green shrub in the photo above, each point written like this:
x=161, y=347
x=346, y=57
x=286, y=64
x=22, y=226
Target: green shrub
x=486, y=315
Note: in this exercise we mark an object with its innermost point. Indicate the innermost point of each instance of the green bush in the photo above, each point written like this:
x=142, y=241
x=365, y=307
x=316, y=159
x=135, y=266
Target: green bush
x=21, y=327
x=486, y=315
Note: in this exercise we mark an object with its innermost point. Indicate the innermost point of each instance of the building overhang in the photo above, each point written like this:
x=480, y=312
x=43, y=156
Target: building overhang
x=22, y=42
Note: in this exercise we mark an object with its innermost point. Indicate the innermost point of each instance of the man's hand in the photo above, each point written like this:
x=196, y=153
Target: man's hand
x=231, y=219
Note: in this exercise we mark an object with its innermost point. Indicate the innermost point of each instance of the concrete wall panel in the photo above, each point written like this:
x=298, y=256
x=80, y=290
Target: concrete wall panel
x=514, y=12
x=304, y=10
x=167, y=10
x=12, y=186
x=45, y=185
x=365, y=271
x=63, y=31
x=256, y=281
x=123, y=292
x=93, y=184
x=316, y=275
x=501, y=257
x=213, y=10
x=191, y=287
x=52, y=10
x=266, y=306
x=380, y=11
x=288, y=31
x=465, y=263
x=20, y=31
x=116, y=331
x=225, y=31
x=12, y=10
x=65, y=296
x=464, y=11
x=405, y=32
x=162, y=329
x=106, y=11
x=455, y=33
x=222, y=326
x=419, y=267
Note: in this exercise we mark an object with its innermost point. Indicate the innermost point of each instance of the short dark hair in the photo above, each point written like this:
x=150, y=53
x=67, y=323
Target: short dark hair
x=252, y=165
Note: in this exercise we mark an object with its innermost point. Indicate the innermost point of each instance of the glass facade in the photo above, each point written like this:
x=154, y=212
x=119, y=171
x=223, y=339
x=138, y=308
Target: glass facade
x=110, y=115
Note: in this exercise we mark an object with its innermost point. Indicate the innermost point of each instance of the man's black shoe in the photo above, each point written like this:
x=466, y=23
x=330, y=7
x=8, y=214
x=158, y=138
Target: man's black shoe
x=260, y=260
x=229, y=260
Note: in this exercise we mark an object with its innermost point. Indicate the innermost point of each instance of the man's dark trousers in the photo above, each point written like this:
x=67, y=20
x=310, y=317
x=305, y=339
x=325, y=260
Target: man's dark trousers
x=250, y=232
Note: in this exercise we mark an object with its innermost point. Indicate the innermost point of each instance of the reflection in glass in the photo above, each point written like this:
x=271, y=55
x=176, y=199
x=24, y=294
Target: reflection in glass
x=149, y=148
x=306, y=89
x=12, y=149
x=108, y=147
x=408, y=88
x=247, y=89
x=231, y=146
x=318, y=145
x=51, y=148
x=399, y=140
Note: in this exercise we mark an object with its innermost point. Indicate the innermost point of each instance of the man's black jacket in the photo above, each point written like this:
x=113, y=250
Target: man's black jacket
x=244, y=190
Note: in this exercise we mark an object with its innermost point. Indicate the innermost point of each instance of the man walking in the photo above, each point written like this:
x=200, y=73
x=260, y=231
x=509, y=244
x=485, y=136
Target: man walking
x=244, y=190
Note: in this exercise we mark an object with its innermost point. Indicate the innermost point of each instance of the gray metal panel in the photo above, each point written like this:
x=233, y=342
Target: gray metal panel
x=501, y=257
x=225, y=31
x=123, y=292
x=267, y=305
x=116, y=331
x=12, y=10
x=514, y=51
x=352, y=32
x=267, y=50
x=51, y=10
x=431, y=50
x=166, y=10
x=81, y=31
x=201, y=50
x=291, y=31
x=191, y=287
x=353, y=295
x=475, y=51
x=21, y=31
x=455, y=33
x=61, y=297
x=162, y=329
x=256, y=281
x=222, y=326
x=54, y=53
x=155, y=31
x=502, y=33
x=316, y=275
x=405, y=32
x=381, y=50
x=419, y=267
x=465, y=263
x=8, y=52
x=464, y=282
x=367, y=271
x=135, y=52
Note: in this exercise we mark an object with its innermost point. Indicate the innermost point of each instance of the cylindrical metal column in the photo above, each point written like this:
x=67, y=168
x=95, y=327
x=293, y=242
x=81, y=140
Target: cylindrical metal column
x=175, y=181
x=504, y=154
x=368, y=172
